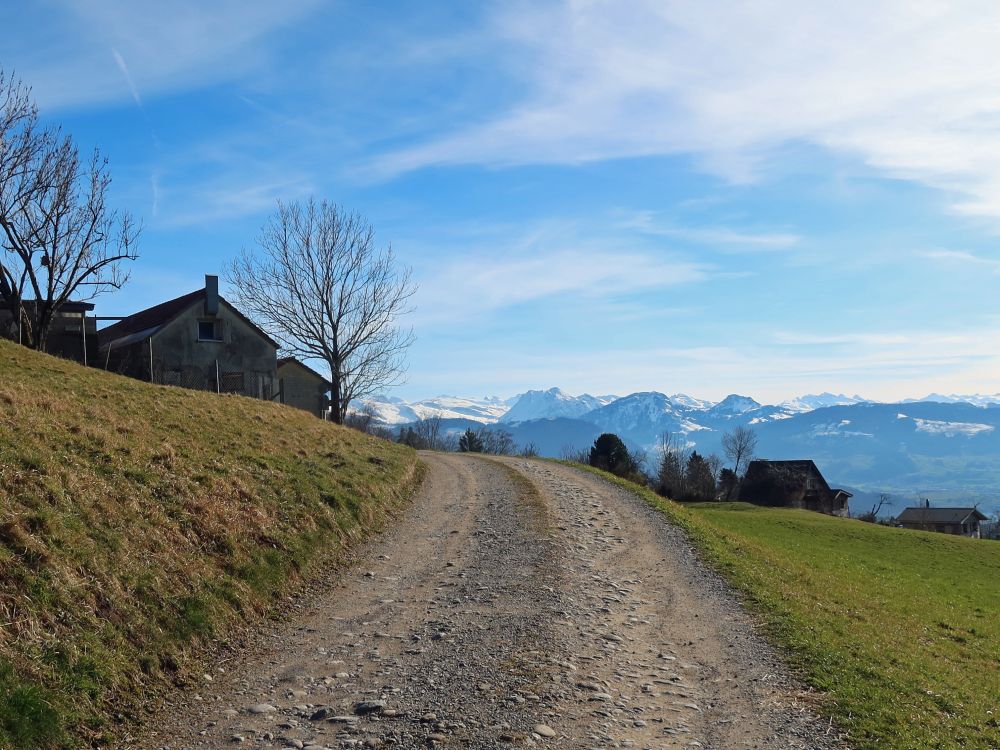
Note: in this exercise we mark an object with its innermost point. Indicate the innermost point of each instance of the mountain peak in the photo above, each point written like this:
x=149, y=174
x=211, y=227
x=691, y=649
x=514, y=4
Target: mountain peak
x=550, y=404
x=735, y=404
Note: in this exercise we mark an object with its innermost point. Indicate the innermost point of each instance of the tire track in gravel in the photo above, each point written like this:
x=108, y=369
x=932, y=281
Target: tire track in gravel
x=662, y=654
x=515, y=603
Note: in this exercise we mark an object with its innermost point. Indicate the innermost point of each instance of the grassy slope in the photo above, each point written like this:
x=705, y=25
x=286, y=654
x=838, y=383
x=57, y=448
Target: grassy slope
x=900, y=629
x=138, y=522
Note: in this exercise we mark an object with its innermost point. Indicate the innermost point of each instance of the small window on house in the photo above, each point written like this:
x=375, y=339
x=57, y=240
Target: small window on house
x=210, y=330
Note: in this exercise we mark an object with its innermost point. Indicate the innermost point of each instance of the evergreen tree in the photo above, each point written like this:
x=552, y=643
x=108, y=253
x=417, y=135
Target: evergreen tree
x=670, y=476
x=698, y=478
x=609, y=453
x=470, y=442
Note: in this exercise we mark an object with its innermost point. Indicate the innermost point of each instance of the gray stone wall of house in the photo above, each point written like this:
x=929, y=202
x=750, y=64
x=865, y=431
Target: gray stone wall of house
x=301, y=388
x=184, y=355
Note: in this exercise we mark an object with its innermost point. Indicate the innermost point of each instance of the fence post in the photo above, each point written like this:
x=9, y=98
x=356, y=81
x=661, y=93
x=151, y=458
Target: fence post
x=218, y=386
x=83, y=332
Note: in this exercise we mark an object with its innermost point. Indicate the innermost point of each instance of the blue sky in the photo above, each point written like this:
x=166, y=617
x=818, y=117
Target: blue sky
x=606, y=196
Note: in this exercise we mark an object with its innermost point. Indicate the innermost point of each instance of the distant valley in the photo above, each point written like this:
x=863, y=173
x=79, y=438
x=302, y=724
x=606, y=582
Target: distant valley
x=943, y=447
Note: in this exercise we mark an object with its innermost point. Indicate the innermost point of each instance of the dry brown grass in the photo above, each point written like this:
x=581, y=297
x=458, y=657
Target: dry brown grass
x=137, y=522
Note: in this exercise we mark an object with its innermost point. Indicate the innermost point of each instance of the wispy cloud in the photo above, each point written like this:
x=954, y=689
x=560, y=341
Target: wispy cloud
x=725, y=239
x=169, y=46
x=229, y=198
x=128, y=76
x=962, y=258
x=483, y=284
x=906, y=87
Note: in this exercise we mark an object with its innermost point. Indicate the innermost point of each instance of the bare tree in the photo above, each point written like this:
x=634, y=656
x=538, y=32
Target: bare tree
x=497, y=442
x=58, y=238
x=428, y=432
x=324, y=291
x=739, y=445
x=884, y=501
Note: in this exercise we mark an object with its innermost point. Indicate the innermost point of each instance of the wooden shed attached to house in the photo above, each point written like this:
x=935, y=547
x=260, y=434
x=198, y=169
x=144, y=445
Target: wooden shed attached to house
x=72, y=333
x=960, y=521
x=301, y=386
x=195, y=341
x=792, y=484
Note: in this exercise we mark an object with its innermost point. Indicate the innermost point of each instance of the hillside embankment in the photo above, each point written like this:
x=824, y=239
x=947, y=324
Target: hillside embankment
x=143, y=528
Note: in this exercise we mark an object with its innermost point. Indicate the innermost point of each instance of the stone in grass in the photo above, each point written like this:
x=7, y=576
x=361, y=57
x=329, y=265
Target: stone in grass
x=365, y=708
x=544, y=730
x=262, y=708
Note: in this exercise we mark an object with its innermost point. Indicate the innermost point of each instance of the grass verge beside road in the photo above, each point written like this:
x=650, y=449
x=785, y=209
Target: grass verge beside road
x=140, y=523
x=900, y=629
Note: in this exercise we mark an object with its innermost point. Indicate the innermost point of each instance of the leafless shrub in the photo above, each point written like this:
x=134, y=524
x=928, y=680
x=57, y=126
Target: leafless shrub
x=497, y=442
x=575, y=454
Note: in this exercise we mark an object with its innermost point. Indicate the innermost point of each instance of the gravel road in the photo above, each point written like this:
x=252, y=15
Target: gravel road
x=516, y=602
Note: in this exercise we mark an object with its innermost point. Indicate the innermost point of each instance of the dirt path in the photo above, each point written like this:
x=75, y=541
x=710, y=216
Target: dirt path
x=556, y=611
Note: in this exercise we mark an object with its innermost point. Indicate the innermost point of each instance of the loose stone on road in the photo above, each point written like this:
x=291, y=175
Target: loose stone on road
x=515, y=603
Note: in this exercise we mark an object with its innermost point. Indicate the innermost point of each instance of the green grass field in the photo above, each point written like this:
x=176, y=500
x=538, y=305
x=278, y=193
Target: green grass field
x=138, y=523
x=900, y=629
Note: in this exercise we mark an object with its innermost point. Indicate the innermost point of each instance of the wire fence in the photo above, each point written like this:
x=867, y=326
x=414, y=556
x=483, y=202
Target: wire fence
x=242, y=382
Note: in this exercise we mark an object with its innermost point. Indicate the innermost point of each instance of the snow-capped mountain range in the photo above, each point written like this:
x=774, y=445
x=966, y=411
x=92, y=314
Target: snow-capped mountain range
x=555, y=403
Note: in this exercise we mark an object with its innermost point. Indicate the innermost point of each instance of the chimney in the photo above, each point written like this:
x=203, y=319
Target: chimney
x=211, y=295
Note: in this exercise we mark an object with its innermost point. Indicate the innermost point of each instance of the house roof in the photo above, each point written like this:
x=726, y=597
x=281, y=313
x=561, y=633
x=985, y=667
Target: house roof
x=145, y=323
x=285, y=361
x=800, y=468
x=939, y=515
x=69, y=306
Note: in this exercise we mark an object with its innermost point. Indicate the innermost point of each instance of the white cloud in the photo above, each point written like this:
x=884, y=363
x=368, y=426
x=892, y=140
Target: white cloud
x=724, y=238
x=458, y=288
x=907, y=86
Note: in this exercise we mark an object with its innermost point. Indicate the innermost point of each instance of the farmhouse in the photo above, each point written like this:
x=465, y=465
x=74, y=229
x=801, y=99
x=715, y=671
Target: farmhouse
x=196, y=341
x=792, y=484
x=960, y=521
x=301, y=386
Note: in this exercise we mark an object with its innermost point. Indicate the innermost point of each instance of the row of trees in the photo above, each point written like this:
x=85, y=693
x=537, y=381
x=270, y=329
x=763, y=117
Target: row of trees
x=427, y=434
x=680, y=473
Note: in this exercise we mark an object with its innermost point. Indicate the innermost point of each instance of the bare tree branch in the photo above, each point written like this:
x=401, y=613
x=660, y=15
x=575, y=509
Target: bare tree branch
x=58, y=239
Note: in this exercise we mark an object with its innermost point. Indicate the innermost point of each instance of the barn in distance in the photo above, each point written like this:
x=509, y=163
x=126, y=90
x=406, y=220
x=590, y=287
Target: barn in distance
x=792, y=484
